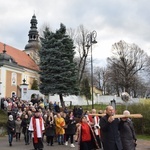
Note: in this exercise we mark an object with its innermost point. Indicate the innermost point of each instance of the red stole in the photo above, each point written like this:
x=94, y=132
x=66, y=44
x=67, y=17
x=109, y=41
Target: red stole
x=90, y=118
x=35, y=129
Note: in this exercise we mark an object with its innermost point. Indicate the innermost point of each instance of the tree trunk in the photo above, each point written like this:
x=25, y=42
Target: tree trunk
x=62, y=101
x=87, y=102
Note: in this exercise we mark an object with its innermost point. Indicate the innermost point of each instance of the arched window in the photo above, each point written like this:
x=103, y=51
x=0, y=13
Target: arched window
x=13, y=78
x=13, y=94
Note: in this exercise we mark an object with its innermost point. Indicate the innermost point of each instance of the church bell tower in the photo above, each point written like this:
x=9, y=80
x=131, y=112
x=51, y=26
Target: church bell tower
x=33, y=45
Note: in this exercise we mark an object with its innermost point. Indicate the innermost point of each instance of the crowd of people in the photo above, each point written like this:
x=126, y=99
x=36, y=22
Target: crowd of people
x=40, y=121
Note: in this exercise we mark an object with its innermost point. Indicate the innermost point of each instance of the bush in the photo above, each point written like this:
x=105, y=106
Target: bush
x=141, y=124
x=3, y=118
x=3, y=122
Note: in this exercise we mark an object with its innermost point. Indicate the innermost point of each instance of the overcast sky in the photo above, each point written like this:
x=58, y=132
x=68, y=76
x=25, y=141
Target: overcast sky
x=114, y=20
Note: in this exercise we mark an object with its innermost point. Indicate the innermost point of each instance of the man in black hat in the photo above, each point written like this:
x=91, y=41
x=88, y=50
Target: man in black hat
x=36, y=126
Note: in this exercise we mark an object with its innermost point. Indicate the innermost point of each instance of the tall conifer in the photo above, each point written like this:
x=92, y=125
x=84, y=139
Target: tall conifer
x=58, y=73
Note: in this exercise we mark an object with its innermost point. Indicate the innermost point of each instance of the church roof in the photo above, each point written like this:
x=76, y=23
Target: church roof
x=20, y=57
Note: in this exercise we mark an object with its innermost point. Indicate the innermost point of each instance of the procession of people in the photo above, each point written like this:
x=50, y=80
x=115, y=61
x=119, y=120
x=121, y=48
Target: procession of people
x=39, y=122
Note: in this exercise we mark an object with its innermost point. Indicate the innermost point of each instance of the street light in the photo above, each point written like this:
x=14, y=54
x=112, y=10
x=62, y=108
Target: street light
x=91, y=39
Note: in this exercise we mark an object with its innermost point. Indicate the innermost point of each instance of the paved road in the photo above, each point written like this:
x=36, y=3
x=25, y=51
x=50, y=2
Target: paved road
x=142, y=145
x=4, y=145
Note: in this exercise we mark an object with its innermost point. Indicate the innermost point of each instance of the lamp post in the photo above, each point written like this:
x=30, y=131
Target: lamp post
x=0, y=88
x=91, y=39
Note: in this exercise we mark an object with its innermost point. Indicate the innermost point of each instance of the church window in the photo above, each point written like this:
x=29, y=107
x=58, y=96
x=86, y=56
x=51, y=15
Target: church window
x=14, y=78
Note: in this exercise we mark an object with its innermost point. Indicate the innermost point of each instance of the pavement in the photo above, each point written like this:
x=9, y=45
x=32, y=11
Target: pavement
x=143, y=145
x=20, y=145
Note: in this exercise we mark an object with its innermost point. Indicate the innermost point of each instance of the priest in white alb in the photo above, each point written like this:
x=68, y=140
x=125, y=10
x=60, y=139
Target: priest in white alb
x=36, y=126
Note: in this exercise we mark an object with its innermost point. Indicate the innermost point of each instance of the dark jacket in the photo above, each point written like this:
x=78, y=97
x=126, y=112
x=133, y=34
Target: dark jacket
x=57, y=108
x=127, y=135
x=70, y=125
x=110, y=134
x=11, y=127
x=25, y=124
x=49, y=128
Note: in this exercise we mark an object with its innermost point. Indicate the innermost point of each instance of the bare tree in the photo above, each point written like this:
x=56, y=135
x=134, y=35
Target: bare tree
x=79, y=37
x=147, y=69
x=139, y=87
x=72, y=33
x=101, y=78
x=126, y=62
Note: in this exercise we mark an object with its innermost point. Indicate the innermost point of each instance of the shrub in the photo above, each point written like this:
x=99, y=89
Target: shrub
x=141, y=124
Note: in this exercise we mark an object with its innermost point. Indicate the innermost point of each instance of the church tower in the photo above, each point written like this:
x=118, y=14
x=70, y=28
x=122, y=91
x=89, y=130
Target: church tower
x=33, y=45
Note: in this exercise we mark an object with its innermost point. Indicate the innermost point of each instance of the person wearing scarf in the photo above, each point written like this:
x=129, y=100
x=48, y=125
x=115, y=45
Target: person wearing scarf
x=37, y=128
x=85, y=135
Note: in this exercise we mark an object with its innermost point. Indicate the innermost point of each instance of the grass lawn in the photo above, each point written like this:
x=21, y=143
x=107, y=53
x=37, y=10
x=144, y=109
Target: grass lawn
x=143, y=137
x=3, y=117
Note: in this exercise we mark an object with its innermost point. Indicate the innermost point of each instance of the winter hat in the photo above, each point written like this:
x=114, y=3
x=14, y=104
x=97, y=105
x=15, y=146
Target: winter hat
x=10, y=117
x=126, y=112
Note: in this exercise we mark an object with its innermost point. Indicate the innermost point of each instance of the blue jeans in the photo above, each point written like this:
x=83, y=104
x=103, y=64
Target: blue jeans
x=10, y=137
x=60, y=138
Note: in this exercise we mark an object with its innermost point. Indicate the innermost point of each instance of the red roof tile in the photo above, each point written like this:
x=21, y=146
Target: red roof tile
x=20, y=57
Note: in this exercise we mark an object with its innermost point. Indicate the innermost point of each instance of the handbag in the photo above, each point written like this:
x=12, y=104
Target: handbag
x=66, y=126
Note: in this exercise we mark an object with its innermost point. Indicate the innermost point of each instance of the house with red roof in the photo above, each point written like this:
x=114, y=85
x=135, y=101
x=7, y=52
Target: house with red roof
x=17, y=65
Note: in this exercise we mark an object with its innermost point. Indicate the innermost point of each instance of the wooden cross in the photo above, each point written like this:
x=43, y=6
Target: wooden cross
x=121, y=116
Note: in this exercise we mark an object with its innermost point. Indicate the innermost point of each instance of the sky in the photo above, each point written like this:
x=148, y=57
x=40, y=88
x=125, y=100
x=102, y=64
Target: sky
x=113, y=20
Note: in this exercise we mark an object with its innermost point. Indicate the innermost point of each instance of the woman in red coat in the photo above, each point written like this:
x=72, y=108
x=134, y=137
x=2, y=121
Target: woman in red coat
x=85, y=136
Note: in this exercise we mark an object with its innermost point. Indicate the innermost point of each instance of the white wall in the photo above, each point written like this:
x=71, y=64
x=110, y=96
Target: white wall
x=77, y=100
x=30, y=92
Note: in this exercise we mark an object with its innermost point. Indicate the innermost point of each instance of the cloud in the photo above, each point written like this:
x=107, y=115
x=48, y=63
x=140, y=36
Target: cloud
x=114, y=20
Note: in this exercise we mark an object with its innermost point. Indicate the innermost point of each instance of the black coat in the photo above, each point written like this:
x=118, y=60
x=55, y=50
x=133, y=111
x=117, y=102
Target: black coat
x=127, y=134
x=11, y=127
x=110, y=134
x=25, y=124
x=70, y=125
x=57, y=108
x=49, y=128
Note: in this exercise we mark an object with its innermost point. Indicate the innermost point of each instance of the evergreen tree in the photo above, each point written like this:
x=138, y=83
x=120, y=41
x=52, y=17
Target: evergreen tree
x=58, y=73
x=85, y=89
x=34, y=85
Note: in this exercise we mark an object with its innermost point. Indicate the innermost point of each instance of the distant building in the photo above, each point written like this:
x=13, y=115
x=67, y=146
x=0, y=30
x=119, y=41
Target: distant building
x=97, y=91
x=17, y=65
